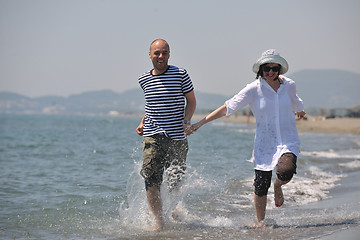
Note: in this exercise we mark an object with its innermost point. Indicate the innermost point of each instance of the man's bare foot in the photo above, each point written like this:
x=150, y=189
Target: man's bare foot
x=175, y=216
x=158, y=226
x=279, y=196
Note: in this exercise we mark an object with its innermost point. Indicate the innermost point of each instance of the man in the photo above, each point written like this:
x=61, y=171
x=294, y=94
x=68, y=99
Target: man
x=165, y=124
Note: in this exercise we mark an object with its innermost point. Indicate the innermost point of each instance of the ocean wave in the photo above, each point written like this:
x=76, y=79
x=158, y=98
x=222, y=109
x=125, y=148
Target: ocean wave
x=352, y=164
x=345, y=154
x=246, y=130
x=313, y=187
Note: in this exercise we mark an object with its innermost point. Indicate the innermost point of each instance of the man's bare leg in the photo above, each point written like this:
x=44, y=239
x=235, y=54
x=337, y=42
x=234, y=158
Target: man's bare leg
x=155, y=204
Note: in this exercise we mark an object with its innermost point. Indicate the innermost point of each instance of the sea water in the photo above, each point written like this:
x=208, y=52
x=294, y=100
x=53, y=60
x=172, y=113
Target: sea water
x=77, y=177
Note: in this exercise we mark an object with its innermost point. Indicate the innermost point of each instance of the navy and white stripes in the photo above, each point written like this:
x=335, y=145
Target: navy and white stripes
x=165, y=101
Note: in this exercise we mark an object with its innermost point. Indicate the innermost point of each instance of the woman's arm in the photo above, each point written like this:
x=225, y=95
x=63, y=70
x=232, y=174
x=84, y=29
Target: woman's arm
x=218, y=113
x=297, y=102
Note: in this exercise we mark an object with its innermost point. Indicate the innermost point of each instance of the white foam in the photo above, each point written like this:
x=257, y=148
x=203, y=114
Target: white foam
x=352, y=164
x=346, y=154
x=315, y=187
x=312, y=187
x=219, y=221
x=243, y=127
x=246, y=130
x=135, y=215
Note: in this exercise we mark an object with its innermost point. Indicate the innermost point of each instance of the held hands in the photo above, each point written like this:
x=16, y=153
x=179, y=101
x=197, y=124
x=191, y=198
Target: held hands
x=187, y=129
x=190, y=129
x=195, y=126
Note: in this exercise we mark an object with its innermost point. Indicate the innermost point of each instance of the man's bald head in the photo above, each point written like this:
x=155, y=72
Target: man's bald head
x=159, y=41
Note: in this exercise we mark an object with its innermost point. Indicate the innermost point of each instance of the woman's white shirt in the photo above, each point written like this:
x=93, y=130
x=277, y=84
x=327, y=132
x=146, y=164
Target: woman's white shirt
x=276, y=131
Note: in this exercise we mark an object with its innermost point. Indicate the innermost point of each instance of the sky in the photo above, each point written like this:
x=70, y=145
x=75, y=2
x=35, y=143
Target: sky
x=65, y=47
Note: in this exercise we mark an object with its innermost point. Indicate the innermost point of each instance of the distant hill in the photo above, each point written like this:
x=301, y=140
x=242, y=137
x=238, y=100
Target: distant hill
x=328, y=88
x=318, y=89
x=94, y=102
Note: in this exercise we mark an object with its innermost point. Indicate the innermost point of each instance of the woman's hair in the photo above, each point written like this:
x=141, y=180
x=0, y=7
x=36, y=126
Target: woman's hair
x=260, y=73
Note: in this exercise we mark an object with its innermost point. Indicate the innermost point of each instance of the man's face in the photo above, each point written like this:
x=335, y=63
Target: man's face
x=159, y=55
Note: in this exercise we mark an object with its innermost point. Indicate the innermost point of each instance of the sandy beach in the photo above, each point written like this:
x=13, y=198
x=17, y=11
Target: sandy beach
x=334, y=125
x=312, y=124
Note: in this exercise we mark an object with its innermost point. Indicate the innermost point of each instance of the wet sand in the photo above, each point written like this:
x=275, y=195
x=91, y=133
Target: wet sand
x=346, y=198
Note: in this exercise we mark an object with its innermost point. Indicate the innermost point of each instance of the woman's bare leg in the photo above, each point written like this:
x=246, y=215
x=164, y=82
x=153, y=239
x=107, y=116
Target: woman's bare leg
x=260, y=207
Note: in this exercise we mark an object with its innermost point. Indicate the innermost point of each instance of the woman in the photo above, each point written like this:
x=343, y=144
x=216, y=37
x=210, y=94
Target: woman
x=273, y=100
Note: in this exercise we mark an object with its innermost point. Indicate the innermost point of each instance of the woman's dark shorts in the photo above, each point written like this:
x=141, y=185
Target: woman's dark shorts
x=160, y=153
x=285, y=170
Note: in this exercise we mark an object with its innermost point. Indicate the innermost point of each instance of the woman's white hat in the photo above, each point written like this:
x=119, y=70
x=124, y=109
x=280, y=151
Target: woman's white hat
x=271, y=56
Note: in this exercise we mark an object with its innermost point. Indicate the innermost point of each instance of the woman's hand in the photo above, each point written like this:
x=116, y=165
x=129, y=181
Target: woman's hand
x=301, y=114
x=195, y=126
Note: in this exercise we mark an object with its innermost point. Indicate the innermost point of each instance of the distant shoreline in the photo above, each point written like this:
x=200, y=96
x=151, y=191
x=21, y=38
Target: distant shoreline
x=312, y=124
x=315, y=124
x=341, y=125
x=332, y=125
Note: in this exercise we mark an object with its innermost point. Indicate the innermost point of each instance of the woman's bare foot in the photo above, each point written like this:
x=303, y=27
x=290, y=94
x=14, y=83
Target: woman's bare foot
x=279, y=196
x=259, y=224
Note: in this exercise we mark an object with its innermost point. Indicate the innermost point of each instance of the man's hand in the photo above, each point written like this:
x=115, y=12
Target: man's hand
x=140, y=129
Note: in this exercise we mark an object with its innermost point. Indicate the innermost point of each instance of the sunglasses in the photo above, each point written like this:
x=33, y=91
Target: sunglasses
x=274, y=69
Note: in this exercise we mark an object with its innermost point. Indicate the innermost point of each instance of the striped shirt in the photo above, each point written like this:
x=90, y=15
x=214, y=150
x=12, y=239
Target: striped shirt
x=165, y=102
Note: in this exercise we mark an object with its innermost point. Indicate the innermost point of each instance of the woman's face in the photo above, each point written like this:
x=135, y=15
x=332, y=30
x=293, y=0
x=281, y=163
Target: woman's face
x=271, y=71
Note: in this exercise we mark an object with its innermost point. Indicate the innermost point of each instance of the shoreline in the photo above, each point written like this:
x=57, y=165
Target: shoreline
x=332, y=125
x=312, y=124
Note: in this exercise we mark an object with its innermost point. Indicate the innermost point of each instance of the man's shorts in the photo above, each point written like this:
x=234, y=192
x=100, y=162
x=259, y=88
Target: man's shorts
x=160, y=153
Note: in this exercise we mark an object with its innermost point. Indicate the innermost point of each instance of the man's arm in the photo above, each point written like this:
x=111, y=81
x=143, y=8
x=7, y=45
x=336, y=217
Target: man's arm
x=189, y=110
x=140, y=128
x=190, y=105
